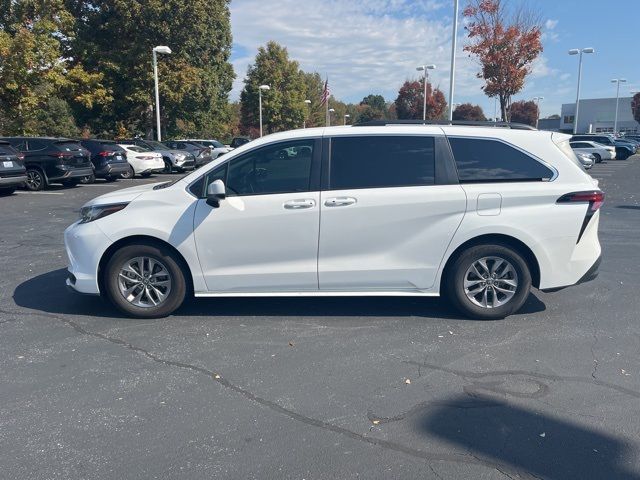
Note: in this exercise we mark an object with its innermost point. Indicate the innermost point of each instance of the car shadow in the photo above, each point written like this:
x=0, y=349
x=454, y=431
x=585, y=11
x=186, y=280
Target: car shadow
x=527, y=441
x=48, y=293
x=629, y=207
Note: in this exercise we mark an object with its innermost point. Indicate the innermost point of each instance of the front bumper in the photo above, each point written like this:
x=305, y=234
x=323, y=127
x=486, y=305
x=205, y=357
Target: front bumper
x=85, y=244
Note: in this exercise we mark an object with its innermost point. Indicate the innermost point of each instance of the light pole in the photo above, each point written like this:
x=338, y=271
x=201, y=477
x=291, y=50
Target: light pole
x=346, y=115
x=580, y=51
x=426, y=69
x=260, y=89
x=306, y=113
x=331, y=110
x=537, y=100
x=454, y=39
x=166, y=50
x=617, y=81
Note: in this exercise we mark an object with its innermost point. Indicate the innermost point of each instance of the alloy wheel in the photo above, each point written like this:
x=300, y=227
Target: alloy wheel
x=490, y=282
x=144, y=282
x=34, y=180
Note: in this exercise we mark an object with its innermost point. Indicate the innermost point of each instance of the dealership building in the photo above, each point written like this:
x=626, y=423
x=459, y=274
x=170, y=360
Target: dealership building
x=597, y=115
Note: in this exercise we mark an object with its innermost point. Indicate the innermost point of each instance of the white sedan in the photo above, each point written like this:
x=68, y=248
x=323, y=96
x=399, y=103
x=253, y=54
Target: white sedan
x=599, y=151
x=143, y=161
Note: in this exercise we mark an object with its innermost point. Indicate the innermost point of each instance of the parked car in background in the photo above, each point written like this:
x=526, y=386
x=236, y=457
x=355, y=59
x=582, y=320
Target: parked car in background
x=477, y=214
x=602, y=139
x=109, y=160
x=586, y=159
x=143, y=161
x=201, y=152
x=624, y=149
x=600, y=152
x=174, y=160
x=239, y=141
x=52, y=160
x=217, y=148
x=12, y=170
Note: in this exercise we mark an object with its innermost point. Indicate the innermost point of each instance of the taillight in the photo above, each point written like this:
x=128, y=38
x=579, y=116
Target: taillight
x=105, y=154
x=63, y=155
x=20, y=156
x=594, y=198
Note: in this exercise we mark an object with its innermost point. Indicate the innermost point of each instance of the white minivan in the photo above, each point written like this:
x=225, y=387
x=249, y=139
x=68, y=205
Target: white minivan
x=479, y=214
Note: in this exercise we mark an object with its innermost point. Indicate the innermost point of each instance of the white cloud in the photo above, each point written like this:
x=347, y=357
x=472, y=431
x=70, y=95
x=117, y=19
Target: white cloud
x=364, y=46
x=550, y=24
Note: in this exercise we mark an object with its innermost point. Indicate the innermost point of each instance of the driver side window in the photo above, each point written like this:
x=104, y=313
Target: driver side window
x=281, y=168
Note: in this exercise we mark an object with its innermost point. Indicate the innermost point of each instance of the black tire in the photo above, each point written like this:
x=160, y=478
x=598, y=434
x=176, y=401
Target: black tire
x=7, y=191
x=455, y=278
x=597, y=157
x=145, y=175
x=168, y=166
x=178, y=285
x=36, y=180
x=70, y=183
x=88, y=179
x=128, y=174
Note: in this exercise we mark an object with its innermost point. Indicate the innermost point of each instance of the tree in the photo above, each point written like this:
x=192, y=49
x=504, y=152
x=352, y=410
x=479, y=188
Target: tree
x=466, y=111
x=36, y=71
x=506, y=43
x=524, y=112
x=635, y=107
x=283, y=106
x=409, y=104
x=116, y=37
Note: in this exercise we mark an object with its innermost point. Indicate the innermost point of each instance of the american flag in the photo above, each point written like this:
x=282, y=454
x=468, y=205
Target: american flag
x=326, y=93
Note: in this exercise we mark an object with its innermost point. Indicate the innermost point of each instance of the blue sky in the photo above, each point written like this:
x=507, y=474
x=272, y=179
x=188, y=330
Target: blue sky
x=373, y=46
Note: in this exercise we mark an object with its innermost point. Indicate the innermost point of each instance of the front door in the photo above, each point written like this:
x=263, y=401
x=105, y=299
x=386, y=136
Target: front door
x=264, y=236
x=385, y=223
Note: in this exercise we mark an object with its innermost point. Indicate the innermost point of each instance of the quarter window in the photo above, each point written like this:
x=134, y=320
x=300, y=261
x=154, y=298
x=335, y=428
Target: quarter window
x=381, y=161
x=280, y=168
x=483, y=160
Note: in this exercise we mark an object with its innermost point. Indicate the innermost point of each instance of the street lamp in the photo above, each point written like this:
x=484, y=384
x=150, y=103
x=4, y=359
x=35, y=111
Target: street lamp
x=537, y=100
x=346, y=115
x=576, y=51
x=306, y=113
x=331, y=110
x=260, y=89
x=167, y=51
x=617, y=81
x=426, y=69
x=452, y=76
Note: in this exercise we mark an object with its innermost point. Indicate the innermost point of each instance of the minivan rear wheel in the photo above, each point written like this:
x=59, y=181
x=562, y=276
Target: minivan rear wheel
x=488, y=282
x=145, y=281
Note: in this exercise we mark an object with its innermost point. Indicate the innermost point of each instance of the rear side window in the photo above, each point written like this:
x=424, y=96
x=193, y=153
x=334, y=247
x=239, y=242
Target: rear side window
x=7, y=149
x=379, y=162
x=484, y=160
x=34, y=144
x=68, y=146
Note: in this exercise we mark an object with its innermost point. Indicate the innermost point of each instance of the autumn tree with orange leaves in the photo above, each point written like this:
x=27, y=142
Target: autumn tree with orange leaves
x=506, y=42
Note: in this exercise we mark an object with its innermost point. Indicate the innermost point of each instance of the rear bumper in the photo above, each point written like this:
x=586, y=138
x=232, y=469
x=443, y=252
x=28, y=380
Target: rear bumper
x=73, y=173
x=11, y=181
x=112, y=169
x=590, y=275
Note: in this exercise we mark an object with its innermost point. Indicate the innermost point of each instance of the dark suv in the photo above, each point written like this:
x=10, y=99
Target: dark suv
x=12, y=171
x=108, y=158
x=52, y=160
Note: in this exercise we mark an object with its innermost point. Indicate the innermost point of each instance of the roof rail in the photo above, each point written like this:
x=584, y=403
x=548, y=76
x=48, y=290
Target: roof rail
x=469, y=123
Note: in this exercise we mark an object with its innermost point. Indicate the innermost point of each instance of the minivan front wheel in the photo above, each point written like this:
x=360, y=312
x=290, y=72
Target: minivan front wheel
x=489, y=282
x=145, y=281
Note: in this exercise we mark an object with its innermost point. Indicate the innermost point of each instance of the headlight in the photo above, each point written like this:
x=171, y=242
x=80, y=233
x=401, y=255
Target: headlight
x=94, y=212
x=179, y=156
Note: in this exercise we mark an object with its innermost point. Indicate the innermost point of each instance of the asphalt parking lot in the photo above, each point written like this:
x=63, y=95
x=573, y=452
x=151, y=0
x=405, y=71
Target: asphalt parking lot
x=323, y=388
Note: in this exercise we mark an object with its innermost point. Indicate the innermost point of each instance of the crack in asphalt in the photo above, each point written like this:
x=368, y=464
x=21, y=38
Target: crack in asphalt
x=212, y=375
x=593, y=355
x=542, y=376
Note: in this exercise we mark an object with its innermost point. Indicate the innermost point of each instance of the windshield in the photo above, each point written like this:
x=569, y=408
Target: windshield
x=156, y=145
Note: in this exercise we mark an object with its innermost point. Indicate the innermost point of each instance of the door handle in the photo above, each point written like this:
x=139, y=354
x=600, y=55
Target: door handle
x=339, y=201
x=300, y=204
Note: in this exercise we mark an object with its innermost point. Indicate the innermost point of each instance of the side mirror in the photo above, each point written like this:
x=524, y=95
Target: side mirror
x=216, y=191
